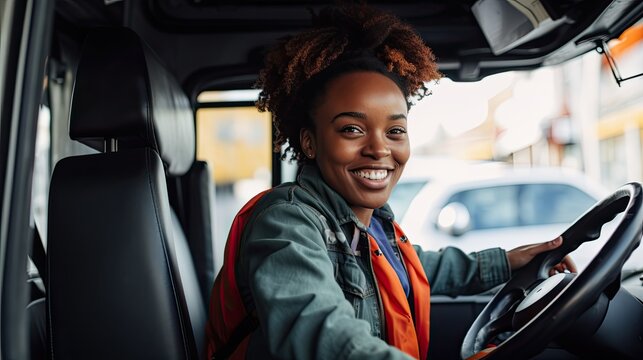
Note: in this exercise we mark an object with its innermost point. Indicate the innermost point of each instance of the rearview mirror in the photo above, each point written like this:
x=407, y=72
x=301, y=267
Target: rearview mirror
x=454, y=219
x=621, y=49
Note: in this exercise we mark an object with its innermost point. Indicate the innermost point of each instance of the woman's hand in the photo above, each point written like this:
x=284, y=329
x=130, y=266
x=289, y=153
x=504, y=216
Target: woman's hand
x=521, y=255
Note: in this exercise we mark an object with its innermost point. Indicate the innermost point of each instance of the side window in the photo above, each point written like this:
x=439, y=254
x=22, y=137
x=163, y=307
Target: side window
x=236, y=141
x=40, y=185
x=491, y=207
x=552, y=203
x=42, y=170
x=523, y=205
x=40, y=181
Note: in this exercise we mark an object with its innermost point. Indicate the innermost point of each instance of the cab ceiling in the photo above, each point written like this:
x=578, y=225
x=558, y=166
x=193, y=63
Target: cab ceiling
x=227, y=38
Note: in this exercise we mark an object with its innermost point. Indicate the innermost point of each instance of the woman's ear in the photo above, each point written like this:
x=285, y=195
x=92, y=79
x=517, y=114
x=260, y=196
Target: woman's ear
x=307, y=141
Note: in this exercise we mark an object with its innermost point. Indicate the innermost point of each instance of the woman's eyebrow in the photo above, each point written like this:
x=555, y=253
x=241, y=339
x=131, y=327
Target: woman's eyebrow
x=397, y=117
x=353, y=114
x=359, y=115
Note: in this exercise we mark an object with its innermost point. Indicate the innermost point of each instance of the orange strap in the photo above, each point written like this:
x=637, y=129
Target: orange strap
x=481, y=354
x=225, y=300
x=402, y=331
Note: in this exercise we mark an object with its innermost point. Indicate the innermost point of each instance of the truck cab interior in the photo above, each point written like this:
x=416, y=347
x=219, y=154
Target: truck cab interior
x=119, y=261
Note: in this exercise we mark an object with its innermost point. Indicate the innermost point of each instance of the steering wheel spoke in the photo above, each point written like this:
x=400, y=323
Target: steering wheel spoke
x=501, y=323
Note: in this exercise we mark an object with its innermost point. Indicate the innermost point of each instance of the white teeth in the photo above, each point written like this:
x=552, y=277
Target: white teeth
x=371, y=174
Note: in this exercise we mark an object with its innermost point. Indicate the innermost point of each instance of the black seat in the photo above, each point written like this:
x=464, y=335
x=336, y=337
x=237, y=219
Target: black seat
x=122, y=283
x=192, y=196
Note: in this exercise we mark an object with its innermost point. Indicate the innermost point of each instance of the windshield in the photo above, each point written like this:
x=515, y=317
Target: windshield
x=560, y=138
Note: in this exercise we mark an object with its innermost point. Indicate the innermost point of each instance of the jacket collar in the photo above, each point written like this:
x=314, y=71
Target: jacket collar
x=310, y=178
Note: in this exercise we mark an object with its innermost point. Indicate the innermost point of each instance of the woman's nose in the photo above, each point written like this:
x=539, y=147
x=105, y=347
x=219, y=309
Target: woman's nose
x=377, y=147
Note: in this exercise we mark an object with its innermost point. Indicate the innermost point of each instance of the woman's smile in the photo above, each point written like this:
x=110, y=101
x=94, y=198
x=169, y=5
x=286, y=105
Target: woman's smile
x=373, y=178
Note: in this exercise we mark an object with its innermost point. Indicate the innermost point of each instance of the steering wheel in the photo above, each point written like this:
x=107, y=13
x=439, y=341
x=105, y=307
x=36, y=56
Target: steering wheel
x=538, y=308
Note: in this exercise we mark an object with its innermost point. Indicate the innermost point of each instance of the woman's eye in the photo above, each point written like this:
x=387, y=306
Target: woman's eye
x=351, y=129
x=397, y=131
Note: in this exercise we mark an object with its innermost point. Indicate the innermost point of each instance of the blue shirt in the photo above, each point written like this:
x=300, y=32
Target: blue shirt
x=377, y=231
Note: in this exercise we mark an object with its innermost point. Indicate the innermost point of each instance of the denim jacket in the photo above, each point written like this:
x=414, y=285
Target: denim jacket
x=315, y=297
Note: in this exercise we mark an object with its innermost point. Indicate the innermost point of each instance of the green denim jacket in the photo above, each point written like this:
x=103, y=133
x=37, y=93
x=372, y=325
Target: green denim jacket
x=317, y=299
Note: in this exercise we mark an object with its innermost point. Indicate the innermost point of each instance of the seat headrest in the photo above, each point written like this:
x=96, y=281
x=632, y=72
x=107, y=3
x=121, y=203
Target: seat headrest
x=123, y=92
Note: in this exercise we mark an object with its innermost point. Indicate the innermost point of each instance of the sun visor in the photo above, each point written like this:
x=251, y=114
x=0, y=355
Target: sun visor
x=507, y=24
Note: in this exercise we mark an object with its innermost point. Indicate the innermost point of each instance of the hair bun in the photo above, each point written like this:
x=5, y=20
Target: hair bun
x=357, y=23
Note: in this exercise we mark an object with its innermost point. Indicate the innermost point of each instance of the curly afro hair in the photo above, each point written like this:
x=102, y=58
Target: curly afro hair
x=338, y=33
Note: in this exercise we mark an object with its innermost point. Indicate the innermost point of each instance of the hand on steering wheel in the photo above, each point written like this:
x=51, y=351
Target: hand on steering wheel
x=532, y=309
x=522, y=255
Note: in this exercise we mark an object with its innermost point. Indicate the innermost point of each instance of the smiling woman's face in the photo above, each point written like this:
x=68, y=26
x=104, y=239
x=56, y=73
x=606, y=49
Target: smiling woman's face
x=360, y=140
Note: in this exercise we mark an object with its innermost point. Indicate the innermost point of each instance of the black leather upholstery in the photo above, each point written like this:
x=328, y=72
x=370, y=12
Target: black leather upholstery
x=124, y=92
x=113, y=289
x=122, y=283
x=191, y=288
x=193, y=196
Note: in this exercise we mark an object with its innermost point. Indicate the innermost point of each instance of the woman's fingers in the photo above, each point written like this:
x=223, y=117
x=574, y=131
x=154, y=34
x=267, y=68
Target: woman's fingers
x=521, y=255
x=569, y=264
x=566, y=265
x=535, y=249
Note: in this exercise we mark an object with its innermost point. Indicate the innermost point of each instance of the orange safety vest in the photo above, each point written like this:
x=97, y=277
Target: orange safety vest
x=228, y=332
x=402, y=330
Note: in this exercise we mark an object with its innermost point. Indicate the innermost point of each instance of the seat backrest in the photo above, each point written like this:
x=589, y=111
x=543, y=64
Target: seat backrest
x=121, y=283
x=193, y=196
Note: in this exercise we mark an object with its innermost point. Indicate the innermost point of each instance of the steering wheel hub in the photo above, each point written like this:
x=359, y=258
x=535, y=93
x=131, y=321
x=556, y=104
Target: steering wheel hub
x=539, y=297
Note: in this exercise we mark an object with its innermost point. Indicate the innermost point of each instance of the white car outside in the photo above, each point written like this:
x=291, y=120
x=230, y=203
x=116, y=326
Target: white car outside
x=487, y=205
x=421, y=170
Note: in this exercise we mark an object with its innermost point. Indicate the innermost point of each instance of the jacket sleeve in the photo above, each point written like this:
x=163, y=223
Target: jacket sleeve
x=301, y=309
x=452, y=272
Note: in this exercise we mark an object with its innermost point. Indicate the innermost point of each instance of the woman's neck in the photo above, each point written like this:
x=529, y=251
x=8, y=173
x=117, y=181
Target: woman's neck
x=363, y=214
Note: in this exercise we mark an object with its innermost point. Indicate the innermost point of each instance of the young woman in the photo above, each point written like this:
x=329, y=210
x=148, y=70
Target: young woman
x=318, y=268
